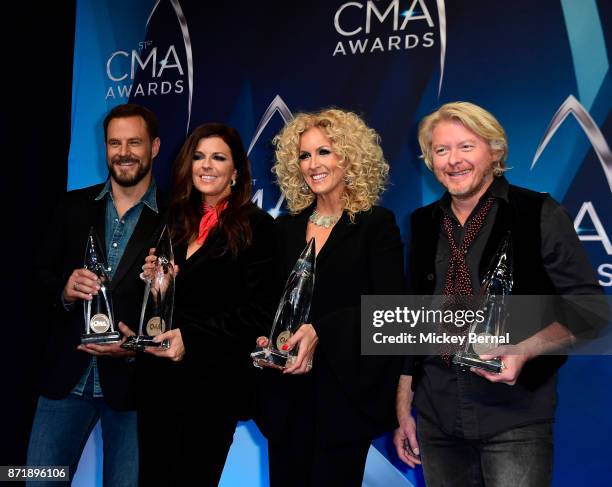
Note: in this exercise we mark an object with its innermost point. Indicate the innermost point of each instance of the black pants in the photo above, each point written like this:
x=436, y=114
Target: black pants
x=325, y=439
x=520, y=457
x=183, y=448
x=333, y=465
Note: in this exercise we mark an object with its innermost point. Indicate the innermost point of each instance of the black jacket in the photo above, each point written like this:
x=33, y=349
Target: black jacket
x=360, y=258
x=222, y=304
x=61, y=251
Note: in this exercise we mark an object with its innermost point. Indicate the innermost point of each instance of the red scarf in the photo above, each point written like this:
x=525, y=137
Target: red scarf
x=209, y=220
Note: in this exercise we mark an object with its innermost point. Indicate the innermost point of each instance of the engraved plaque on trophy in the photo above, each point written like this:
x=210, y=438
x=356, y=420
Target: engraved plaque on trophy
x=291, y=313
x=493, y=301
x=98, y=312
x=158, y=301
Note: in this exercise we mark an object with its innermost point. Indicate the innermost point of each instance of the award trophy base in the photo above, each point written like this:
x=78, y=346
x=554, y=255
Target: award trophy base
x=108, y=337
x=466, y=360
x=267, y=357
x=139, y=343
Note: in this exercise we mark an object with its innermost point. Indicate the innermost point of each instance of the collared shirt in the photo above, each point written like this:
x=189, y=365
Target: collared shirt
x=499, y=190
x=118, y=230
x=117, y=234
x=456, y=400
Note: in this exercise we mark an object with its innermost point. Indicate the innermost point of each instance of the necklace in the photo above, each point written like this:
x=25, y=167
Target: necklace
x=323, y=221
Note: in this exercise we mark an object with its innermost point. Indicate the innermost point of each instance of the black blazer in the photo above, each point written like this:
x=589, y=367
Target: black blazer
x=222, y=304
x=61, y=251
x=360, y=258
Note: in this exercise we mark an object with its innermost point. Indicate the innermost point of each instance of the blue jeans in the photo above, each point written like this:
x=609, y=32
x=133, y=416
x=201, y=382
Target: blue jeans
x=520, y=457
x=61, y=429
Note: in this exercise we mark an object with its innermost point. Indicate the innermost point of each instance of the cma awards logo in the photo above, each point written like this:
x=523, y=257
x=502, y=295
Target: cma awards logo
x=571, y=106
x=161, y=68
x=376, y=27
x=150, y=60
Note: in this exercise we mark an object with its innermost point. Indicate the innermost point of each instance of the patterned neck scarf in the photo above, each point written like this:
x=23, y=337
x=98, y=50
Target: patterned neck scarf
x=458, y=281
x=209, y=220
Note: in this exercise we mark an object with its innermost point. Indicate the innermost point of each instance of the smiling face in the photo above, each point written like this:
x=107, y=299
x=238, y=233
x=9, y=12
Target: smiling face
x=462, y=160
x=213, y=169
x=319, y=164
x=129, y=150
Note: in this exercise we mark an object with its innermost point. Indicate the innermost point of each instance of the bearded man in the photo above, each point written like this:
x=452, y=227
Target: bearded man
x=81, y=384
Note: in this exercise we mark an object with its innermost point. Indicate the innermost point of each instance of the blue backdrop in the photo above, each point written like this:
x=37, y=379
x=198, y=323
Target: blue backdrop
x=541, y=67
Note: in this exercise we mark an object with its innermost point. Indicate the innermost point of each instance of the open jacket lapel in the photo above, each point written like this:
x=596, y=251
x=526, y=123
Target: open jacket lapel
x=144, y=237
x=339, y=233
x=297, y=235
x=98, y=215
x=501, y=227
x=212, y=248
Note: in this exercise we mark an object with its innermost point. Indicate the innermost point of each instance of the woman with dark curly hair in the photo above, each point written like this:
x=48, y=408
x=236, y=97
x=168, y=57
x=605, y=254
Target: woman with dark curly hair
x=321, y=414
x=193, y=393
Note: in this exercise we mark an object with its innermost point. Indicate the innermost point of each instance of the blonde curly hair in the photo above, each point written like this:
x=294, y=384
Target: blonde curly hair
x=356, y=145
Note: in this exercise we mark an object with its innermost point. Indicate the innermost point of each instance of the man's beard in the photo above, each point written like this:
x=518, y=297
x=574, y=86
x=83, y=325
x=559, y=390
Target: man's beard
x=486, y=179
x=128, y=178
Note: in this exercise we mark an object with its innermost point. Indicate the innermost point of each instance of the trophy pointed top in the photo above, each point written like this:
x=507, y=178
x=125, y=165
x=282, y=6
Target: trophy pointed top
x=506, y=243
x=94, y=256
x=164, y=245
x=309, y=252
x=503, y=256
x=499, y=278
x=305, y=264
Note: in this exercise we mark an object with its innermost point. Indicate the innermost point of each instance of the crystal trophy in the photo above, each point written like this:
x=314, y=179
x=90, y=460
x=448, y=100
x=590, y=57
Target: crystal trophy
x=493, y=301
x=98, y=312
x=291, y=313
x=158, y=301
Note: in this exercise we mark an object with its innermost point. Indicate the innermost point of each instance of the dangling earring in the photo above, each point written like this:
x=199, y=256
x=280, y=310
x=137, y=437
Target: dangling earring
x=305, y=187
x=348, y=180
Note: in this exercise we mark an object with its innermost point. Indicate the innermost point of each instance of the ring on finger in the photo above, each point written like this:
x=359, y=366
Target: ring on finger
x=75, y=286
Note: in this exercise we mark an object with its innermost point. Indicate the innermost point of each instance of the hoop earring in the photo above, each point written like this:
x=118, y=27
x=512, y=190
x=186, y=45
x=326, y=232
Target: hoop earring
x=233, y=183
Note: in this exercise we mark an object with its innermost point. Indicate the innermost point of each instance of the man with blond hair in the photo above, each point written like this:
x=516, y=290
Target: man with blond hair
x=477, y=427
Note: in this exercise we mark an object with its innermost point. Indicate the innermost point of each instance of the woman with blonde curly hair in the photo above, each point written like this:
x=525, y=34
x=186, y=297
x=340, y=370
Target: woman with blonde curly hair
x=321, y=414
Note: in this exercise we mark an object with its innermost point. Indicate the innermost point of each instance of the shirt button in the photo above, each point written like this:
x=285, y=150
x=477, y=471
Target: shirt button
x=109, y=268
x=123, y=222
x=115, y=244
x=430, y=277
x=116, y=220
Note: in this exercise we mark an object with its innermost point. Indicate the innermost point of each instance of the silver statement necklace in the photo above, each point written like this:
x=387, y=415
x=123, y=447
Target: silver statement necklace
x=323, y=221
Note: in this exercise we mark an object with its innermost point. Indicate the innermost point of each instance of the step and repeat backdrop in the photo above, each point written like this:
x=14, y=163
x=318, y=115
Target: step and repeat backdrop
x=542, y=68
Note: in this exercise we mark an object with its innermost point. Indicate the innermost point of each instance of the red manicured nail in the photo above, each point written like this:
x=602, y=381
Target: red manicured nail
x=285, y=347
